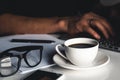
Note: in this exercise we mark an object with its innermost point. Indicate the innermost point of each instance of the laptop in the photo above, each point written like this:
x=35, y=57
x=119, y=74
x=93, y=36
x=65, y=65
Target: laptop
x=113, y=43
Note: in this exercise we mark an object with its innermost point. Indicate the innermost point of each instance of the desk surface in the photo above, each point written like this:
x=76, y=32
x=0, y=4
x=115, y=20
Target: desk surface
x=108, y=72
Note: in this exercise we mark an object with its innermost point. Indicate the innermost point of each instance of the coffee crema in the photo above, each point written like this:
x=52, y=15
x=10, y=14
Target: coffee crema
x=81, y=45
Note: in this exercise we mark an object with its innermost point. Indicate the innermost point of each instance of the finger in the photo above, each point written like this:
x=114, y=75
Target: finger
x=92, y=32
x=101, y=28
x=107, y=26
x=104, y=22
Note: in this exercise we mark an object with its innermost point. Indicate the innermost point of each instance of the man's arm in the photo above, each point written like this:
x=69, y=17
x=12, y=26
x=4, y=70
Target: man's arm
x=15, y=24
x=86, y=23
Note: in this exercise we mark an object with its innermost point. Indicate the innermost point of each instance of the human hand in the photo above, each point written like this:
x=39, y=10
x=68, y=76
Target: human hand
x=88, y=22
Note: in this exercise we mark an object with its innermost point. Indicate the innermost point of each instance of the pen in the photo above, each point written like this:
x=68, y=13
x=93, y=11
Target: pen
x=31, y=41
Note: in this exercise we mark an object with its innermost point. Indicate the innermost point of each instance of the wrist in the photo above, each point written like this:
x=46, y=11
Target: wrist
x=63, y=24
x=68, y=24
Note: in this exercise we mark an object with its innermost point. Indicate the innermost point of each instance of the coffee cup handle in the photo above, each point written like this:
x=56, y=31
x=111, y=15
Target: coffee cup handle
x=59, y=52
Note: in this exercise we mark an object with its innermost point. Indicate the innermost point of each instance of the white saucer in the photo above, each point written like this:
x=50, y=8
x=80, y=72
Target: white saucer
x=101, y=60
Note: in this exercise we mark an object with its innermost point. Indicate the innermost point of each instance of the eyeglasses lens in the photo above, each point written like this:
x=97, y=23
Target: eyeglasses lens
x=33, y=57
x=8, y=65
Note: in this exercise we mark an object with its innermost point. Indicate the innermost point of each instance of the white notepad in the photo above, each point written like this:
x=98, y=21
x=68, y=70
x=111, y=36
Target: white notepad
x=48, y=48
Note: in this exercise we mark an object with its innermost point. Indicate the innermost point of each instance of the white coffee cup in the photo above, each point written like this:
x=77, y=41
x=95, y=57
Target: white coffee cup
x=79, y=51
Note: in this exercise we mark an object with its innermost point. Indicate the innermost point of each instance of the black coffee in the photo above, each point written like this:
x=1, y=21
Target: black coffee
x=81, y=45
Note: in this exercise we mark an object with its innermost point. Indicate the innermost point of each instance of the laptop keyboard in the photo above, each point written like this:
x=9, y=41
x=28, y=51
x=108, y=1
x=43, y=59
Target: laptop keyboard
x=113, y=45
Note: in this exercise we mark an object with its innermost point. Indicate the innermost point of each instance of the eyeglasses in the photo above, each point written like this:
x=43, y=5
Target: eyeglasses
x=10, y=60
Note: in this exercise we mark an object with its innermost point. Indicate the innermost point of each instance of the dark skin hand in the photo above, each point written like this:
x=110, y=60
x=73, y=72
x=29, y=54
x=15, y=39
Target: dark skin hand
x=91, y=19
x=15, y=24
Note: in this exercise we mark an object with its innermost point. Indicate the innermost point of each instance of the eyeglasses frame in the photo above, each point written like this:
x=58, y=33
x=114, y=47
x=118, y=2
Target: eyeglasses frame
x=20, y=56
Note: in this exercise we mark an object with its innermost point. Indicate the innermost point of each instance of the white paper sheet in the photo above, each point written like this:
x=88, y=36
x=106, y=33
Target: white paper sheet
x=48, y=48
